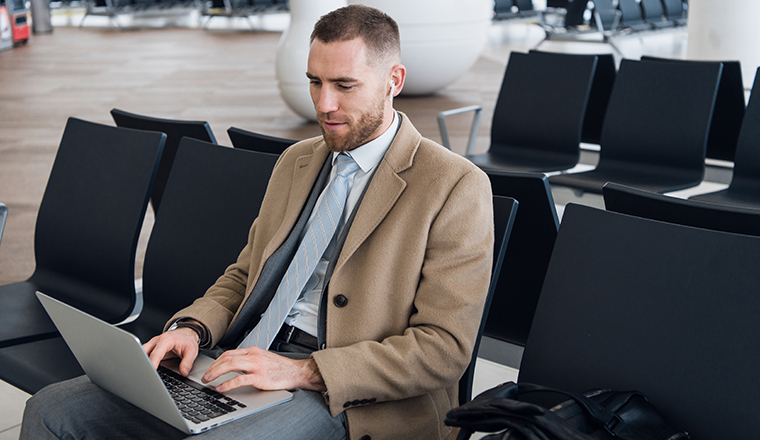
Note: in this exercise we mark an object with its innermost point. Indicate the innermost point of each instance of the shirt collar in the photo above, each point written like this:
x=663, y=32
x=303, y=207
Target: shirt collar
x=370, y=154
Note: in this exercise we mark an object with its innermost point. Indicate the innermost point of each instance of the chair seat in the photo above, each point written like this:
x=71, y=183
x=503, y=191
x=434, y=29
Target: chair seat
x=538, y=161
x=594, y=180
x=24, y=319
x=27, y=366
x=729, y=197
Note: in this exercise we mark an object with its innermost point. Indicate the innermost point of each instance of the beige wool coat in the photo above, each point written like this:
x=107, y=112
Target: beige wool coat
x=415, y=269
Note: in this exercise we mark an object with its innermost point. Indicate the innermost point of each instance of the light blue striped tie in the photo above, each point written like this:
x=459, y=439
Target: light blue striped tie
x=315, y=241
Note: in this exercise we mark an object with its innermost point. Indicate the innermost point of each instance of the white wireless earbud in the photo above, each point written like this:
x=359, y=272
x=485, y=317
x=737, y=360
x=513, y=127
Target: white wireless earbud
x=393, y=89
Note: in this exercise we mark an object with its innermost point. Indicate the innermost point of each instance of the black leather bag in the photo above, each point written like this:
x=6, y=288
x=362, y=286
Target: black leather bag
x=595, y=415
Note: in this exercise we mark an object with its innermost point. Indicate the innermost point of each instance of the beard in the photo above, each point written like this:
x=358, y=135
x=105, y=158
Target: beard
x=359, y=130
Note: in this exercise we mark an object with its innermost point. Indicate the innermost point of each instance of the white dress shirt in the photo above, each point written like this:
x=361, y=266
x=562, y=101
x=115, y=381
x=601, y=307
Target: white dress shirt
x=304, y=314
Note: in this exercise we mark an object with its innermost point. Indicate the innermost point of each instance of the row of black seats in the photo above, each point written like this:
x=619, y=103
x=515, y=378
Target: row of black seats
x=638, y=15
x=619, y=15
x=210, y=8
x=87, y=231
x=656, y=121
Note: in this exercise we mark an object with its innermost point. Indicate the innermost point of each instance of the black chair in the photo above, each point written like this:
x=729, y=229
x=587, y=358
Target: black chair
x=640, y=203
x=87, y=229
x=538, y=118
x=211, y=199
x=248, y=140
x=674, y=10
x=606, y=15
x=503, y=7
x=744, y=189
x=729, y=109
x=655, y=131
x=504, y=210
x=174, y=130
x=574, y=11
x=506, y=9
x=632, y=17
x=654, y=14
x=527, y=257
x=3, y=216
x=599, y=97
x=224, y=188
x=668, y=310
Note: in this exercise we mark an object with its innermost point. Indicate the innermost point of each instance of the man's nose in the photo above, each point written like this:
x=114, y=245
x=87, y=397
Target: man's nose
x=328, y=100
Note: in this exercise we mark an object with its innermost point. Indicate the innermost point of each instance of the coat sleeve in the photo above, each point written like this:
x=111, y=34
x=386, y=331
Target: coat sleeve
x=435, y=349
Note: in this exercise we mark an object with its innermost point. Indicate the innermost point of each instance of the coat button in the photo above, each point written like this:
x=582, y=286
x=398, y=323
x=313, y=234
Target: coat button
x=366, y=437
x=340, y=301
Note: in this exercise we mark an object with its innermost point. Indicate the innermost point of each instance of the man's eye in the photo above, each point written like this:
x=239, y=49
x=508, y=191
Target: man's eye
x=315, y=82
x=345, y=87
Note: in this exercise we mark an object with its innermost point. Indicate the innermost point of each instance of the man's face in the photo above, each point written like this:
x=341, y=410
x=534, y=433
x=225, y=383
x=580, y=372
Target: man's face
x=349, y=95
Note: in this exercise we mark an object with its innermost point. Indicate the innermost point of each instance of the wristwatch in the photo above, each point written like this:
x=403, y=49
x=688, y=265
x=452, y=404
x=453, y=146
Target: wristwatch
x=197, y=327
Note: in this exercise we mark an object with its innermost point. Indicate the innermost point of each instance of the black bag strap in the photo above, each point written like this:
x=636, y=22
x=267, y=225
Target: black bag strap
x=596, y=411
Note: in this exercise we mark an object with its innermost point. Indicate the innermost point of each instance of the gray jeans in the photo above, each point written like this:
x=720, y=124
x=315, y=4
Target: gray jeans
x=79, y=409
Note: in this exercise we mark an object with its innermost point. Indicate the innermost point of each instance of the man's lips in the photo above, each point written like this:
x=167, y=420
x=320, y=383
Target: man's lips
x=331, y=125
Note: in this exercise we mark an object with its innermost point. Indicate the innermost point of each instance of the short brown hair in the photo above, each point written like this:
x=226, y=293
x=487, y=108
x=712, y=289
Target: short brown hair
x=378, y=30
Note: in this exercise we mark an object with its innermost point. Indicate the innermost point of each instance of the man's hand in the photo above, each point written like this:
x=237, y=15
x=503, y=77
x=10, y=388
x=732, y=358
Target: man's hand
x=265, y=371
x=182, y=343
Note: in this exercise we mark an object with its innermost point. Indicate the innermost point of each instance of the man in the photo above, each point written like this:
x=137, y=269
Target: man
x=385, y=323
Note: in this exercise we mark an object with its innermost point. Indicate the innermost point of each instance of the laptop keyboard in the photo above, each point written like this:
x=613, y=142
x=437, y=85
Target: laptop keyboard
x=196, y=402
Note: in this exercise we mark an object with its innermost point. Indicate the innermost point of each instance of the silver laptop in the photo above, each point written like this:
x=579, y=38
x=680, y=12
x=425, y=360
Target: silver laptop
x=115, y=360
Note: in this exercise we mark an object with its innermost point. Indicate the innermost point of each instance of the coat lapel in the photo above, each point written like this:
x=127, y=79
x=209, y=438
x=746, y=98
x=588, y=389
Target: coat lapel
x=384, y=190
x=305, y=173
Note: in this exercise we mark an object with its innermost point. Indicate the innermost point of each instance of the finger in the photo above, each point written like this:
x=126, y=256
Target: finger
x=148, y=346
x=236, y=382
x=228, y=364
x=157, y=354
x=188, y=359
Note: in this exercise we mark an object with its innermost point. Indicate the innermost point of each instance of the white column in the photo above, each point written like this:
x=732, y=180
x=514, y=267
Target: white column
x=724, y=30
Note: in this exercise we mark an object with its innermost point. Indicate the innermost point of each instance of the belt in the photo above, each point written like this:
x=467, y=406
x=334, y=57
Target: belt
x=292, y=335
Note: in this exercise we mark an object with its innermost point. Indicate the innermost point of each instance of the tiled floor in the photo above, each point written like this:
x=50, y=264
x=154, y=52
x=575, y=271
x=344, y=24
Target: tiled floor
x=11, y=408
x=47, y=93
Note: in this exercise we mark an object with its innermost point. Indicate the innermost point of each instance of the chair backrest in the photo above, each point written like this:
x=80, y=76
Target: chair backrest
x=3, y=216
x=503, y=6
x=542, y=103
x=729, y=109
x=640, y=203
x=574, y=11
x=504, y=210
x=91, y=214
x=668, y=310
x=248, y=140
x=746, y=177
x=527, y=257
x=653, y=10
x=174, y=130
x=599, y=97
x=631, y=12
x=212, y=197
x=524, y=5
x=607, y=11
x=673, y=9
x=659, y=116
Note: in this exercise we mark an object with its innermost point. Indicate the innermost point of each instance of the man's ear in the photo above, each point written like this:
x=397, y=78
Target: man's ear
x=398, y=76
